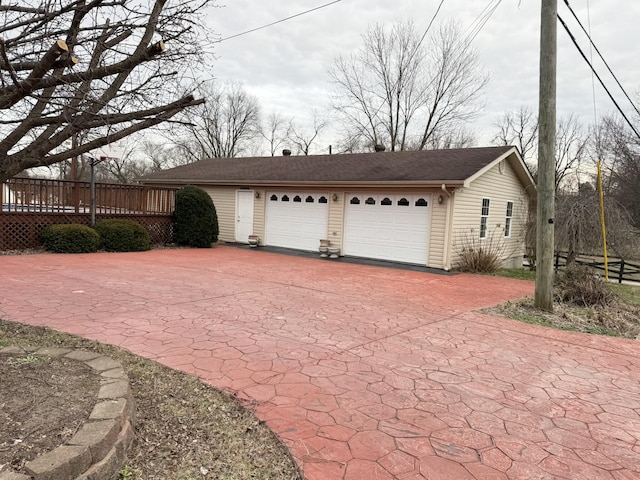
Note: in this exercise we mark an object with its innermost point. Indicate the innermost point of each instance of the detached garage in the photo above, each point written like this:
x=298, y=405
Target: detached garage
x=410, y=207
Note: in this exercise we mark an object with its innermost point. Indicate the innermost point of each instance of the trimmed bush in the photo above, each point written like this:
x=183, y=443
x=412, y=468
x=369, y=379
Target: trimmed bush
x=119, y=235
x=196, y=221
x=71, y=238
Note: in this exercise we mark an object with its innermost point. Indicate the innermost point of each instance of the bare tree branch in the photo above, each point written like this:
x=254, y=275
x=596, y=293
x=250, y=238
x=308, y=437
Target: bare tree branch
x=303, y=139
x=109, y=66
x=276, y=132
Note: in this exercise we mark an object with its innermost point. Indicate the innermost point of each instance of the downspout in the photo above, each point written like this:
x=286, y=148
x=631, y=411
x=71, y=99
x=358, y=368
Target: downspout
x=446, y=254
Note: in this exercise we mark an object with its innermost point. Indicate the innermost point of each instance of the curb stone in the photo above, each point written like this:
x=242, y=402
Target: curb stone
x=99, y=449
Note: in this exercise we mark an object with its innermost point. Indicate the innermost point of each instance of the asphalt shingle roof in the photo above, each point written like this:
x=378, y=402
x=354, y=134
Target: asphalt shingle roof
x=427, y=166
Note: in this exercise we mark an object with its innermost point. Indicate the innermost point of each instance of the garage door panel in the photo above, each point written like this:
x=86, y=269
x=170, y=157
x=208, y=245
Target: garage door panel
x=389, y=227
x=296, y=224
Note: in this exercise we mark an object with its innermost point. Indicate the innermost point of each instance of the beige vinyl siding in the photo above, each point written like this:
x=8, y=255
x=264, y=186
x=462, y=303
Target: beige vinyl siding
x=500, y=185
x=259, y=214
x=437, y=230
x=224, y=198
x=335, y=232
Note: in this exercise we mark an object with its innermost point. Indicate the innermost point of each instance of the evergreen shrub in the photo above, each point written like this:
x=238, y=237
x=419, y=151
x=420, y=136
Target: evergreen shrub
x=196, y=221
x=121, y=235
x=70, y=238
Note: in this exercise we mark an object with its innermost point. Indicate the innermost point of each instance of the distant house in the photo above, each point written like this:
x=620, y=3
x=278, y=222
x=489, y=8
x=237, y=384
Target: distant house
x=412, y=207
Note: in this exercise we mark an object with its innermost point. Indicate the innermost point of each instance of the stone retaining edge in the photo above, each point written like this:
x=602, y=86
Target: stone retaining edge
x=99, y=449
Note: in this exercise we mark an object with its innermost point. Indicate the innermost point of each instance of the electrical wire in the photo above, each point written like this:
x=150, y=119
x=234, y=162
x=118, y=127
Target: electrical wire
x=486, y=13
x=575, y=42
x=424, y=35
x=593, y=78
x=600, y=54
x=482, y=20
x=433, y=19
x=470, y=36
x=276, y=22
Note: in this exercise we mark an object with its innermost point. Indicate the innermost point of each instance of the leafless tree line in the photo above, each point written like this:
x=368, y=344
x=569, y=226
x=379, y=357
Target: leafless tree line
x=578, y=220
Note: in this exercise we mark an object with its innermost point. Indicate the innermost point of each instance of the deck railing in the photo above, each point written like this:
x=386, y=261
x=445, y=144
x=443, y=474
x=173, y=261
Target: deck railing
x=65, y=196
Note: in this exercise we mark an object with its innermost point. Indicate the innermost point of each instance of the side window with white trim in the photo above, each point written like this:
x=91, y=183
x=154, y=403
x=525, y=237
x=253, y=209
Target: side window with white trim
x=508, y=219
x=484, y=218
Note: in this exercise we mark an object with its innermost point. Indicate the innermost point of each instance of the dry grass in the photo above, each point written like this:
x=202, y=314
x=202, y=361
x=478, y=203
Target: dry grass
x=583, y=303
x=619, y=319
x=185, y=429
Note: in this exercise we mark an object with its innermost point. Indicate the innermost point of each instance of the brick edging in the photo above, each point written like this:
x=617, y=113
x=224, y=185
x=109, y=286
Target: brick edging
x=98, y=450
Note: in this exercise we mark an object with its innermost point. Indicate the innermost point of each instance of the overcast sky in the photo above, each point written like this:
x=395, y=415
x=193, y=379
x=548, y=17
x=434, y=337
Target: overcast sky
x=285, y=66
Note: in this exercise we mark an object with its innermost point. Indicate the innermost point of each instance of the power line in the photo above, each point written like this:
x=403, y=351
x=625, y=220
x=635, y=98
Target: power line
x=424, y=35
x=486, y=14
x=605, y=62
x=482, y=20
x=277, y=21
x=593, y=78
x=575, y=42
x=430, y=23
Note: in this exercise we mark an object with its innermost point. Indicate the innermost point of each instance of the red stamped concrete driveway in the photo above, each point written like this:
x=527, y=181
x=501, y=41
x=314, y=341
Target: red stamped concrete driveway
x=365, y=372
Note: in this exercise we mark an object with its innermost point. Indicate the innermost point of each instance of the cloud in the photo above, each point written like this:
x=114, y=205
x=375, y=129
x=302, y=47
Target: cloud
x=286, y=65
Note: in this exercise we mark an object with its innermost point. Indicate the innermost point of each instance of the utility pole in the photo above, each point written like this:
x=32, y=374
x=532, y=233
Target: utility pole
x=546, y=156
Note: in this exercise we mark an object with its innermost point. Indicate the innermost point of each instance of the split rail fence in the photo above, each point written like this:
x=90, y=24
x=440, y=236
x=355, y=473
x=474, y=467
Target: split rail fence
x=620, y=270
x=29, y=205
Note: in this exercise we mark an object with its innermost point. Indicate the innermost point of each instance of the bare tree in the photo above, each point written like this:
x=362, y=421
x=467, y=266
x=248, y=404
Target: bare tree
x=302, y=138
x=276, y=131
x=619, y=150
x=125, y=167
x=224, y=127
x=461, y=138
x=578, y=226
x=520, y=128
x=572, y=149
x=159, y=156
x=400, y=92
x=109, y=67
x=140, y=157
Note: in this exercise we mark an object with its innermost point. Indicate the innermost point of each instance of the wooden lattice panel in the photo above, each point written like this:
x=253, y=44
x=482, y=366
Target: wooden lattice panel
x=22, y=230
x=160, y=228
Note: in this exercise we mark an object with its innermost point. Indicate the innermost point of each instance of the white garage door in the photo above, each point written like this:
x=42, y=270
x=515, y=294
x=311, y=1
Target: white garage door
x=388, y=227
x=296, y=219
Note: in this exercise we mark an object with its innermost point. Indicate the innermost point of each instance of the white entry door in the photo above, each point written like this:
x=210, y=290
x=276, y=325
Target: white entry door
x=296, y=219
x=388, y=226
x=244, y=215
